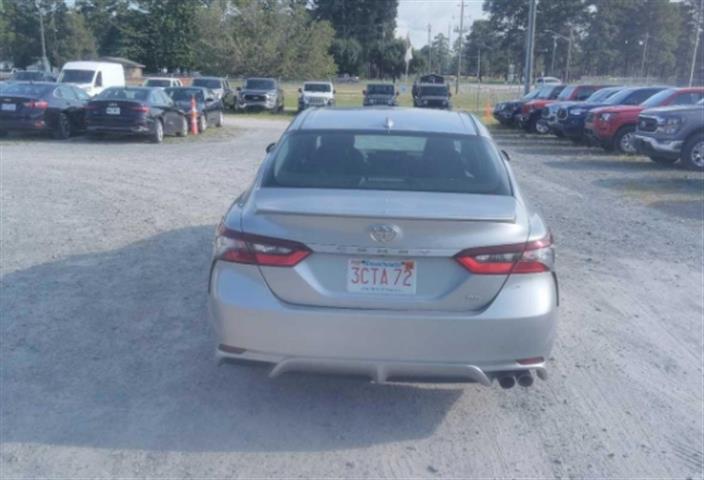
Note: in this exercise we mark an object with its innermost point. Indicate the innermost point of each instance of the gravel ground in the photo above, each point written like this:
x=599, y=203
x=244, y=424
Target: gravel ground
x=106, y=359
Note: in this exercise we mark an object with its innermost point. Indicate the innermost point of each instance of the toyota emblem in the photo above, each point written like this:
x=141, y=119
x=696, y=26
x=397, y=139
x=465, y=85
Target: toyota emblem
x=383, y=233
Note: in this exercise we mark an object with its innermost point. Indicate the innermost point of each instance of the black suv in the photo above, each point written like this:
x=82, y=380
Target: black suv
x=380, y=94
x=668, y=134
x=432, y=95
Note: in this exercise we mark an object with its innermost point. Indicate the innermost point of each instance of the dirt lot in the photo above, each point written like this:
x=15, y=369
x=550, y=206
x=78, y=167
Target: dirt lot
x=107, y=364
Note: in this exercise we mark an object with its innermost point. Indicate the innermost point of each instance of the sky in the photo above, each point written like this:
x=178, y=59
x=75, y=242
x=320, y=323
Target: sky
x=414, y=16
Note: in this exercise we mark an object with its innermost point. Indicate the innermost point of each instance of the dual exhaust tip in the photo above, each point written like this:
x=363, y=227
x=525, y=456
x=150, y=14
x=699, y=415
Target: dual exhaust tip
x=508, y=380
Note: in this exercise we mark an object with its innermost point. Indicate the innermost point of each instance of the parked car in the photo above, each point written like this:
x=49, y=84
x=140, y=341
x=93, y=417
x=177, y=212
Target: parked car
x=614, y=127
x=32, y=76
x=432, y=78
x=531, y=110
x=93, y=77
x=432, y=95
x=164, y=82
x=542, y=81
x=380, y=94
x=668, y=134
x=43, y=107
x=144, y=111
x=506, y=112
x=209, y=108
x=220, y=86
x=532, y=119
x=260, y=94
x=316, y=94
x=390, y=243
x=559, y=120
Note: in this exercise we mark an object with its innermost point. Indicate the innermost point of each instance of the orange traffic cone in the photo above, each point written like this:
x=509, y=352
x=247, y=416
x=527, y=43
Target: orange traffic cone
x=194, y=116
x=487, y=112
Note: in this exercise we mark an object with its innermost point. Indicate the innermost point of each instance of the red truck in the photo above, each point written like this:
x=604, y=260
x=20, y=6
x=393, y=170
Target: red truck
x=614, y=127
x=531, y=112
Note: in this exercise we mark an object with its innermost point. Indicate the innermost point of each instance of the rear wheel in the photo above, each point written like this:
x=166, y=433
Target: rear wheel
x=183, y=131
x=693, y=153
x=663, y=160
x=624, y=140
x=158, y=132
x=541, y=127
x=62, y=130
x=202, y=123
x=221, y=119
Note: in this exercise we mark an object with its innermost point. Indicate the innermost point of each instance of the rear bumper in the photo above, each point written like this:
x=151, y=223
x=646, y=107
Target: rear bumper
x=119, y=129
x=31, y=124
x=252, y=324
x=664, y=148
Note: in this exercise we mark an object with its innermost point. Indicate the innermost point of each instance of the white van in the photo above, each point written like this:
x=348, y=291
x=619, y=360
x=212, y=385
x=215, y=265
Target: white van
x=93, y=77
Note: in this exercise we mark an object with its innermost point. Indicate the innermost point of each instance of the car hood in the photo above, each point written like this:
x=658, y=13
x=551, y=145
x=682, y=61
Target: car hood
x=674, y=109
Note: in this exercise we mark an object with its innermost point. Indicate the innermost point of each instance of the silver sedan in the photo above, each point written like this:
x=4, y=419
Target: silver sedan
x=389, y=243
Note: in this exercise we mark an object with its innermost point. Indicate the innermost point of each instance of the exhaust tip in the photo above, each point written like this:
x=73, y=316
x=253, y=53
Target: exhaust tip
x=525, y=379
x=507, y=381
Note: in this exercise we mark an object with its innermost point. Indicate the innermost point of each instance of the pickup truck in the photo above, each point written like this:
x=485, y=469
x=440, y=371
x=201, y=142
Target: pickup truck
x=614, y=127
x=668, y=134
x=506, y=112
x=531, y=114
x=556, y=112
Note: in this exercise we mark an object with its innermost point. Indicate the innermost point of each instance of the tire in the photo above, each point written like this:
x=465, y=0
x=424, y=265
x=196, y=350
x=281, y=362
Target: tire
x=693, y=153
x=221, y=120
x=202, y=124
x=623, y=140
x=663, y=160
x=532, y=123
x=541, y=128
x=62, y=130
x=157, y=135
x=184, y=128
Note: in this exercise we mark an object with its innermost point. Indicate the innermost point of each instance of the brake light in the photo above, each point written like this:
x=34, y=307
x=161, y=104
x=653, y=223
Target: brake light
x=240, y=247
x=530, y=257
x=141, y=108
x=37, y=104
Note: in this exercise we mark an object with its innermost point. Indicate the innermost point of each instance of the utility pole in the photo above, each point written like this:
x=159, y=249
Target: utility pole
x=645, y=52
x=529, y=47
x=697, y=34
x=459, y=48
x=430, y=50
x=479, y=72
x=45, y=60
x=569, y=55
x=554, y=50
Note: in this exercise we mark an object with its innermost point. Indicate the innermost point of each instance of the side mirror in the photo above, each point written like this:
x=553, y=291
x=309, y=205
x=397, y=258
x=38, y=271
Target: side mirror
x=239, y=89
x=270, y=147
x=334, y=91
x=504, y=154
x=300, y=90
x=364, y=92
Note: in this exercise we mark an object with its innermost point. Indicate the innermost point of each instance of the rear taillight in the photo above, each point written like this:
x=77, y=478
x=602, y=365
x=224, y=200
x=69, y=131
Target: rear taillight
x=240, y=247
x=530, y=257
x=141, y=108
x=37, y=104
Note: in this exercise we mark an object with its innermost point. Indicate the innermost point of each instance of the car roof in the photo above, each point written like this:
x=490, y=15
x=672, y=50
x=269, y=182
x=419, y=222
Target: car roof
x=402, y=120
x=260, y=78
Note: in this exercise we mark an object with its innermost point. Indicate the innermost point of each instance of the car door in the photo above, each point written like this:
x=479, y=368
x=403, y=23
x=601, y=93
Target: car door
x=71, y=106
x=173, y=119
x=82, y=100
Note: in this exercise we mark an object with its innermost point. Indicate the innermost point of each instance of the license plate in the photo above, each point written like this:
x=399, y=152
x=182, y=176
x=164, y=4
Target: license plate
x=397, y=277
x=8, y=107
x=112, y=110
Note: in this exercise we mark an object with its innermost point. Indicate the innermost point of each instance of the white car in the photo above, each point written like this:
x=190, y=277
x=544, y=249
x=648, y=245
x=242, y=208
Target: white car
x=542, y=81
x=93, y=77
x=164, y=82
x=316, y=94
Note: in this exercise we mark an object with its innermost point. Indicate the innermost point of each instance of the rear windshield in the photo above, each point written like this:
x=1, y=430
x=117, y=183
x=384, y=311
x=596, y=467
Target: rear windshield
x=380, y=89
x=180, y=94
x=77, y=76
x=601, y=95
x=549, y=93
x=140, y=94
x=438, y=91
x=26, y=89
x=28, y=76
x=207, y=83
x=317, y=87
x=658, y=98
x=380, y=161
x=153, y=82
x=566, y=93
x=259, y=84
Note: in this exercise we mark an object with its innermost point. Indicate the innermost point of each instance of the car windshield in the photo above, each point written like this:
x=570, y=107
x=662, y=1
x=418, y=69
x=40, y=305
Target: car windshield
x=434, y=90
x=259, y=84
x=77, y=76
x=531, y=95
x=566, y=93
x=212, y=83
x=317, y=87
x=657, y=99
x=157, y=82
x=380, y=89
x=427, y=162
x=184, y=94
x=140, y=94
x=601, y=95
x=547, y=93
x=27, y=89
